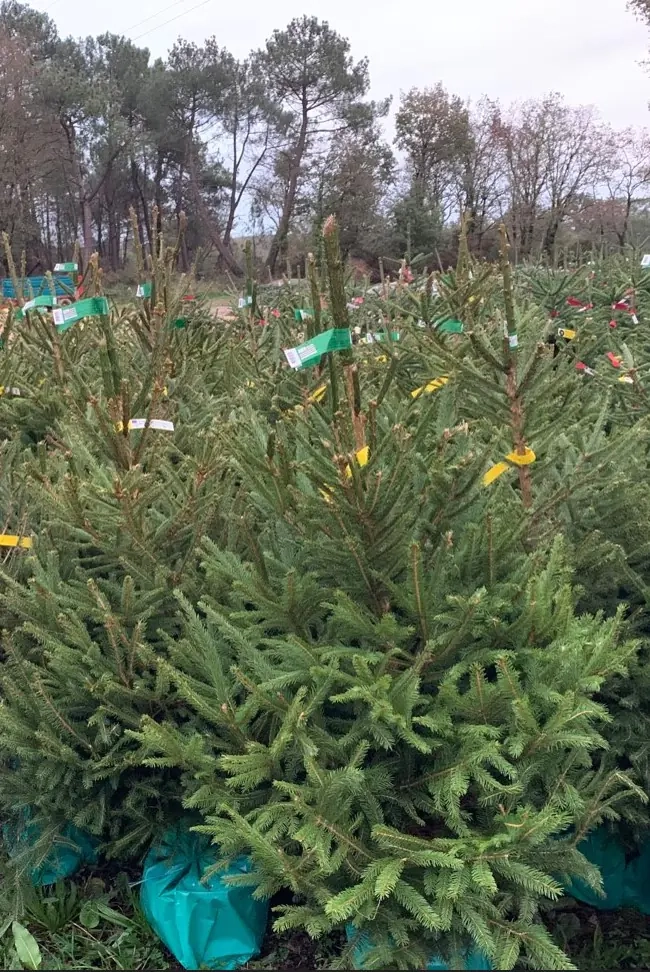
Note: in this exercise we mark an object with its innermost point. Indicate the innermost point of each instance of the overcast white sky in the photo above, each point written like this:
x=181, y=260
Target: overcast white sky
x=590, y=50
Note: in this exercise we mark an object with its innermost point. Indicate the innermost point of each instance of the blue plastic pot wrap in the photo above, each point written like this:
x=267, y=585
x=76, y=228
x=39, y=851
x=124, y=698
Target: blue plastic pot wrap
x=204, y=924
x=472, y=960
x=69, y=852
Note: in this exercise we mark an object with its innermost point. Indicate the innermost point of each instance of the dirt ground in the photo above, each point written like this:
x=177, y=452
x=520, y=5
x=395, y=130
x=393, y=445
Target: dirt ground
x=221, y=308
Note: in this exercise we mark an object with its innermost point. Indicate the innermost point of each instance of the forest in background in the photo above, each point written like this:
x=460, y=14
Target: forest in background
x=267, y=147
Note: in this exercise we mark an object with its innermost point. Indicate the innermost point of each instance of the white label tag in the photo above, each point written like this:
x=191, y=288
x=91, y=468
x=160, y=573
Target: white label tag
x=307, y=352
x=69, y=314
x=140, y=291
x=32, y=303
x=58, y=316
x=646, y=260
x=513, y=341
x=161, y=424
x=635, y=319
x=292, y=357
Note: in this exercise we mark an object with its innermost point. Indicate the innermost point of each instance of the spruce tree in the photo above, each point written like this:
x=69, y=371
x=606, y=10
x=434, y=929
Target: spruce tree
x=393, y=696
x=115, y=514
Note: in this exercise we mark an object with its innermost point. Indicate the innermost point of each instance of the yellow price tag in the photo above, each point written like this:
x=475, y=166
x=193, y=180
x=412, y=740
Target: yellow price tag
x=567, y=332
x=318, y=394
x=13, y=540
x=521, y=458
x=516, y=458
x=494, y=472
x=362, y=457
x=431, y=387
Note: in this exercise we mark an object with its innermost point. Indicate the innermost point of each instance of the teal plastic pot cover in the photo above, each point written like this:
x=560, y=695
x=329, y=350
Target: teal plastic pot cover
x=602, y=849
x=69, y=852
x=204, y=924
x=637, y=881
x=474, y=959
x=626, y=883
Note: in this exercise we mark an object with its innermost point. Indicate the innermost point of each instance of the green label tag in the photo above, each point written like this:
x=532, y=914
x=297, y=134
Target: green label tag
x=244, y=302
x=43, y=300
x=66, y=268
x=65, y=317
x=180, y=322
x=301, y=315
x=308, y=354
x=144, y=290
x=449, y=326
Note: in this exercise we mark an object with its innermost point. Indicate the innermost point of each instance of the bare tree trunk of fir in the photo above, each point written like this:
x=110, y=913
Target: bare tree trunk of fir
x=211, y=229
x=48, y=228
x=100, y=232
x=512, y=390
x=237, y=187
x=87, y=218
x=622, y=235
x=140, y=200
x=125, y=248
x=59, y=242
x=282, y=232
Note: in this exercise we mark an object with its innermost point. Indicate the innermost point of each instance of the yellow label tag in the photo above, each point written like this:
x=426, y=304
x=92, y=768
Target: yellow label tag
x=250, y=384
x=431, y=387
x=567, y=333
x=627, y=379
x=326, y=494
x=12, y=540
x=318, y=394
x=521, y=459
x=494, y=472
x=362, y=457
x=381, y=358
x=516, y=458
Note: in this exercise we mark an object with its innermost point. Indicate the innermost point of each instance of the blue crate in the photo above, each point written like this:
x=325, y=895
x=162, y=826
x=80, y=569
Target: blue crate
x=64, y=286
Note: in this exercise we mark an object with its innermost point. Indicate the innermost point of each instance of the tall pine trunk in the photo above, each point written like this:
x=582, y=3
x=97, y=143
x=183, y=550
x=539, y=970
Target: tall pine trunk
x=282, y=232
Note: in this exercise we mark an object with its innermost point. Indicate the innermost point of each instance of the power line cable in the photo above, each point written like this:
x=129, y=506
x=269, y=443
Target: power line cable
x=171, y=20
x=147, y=19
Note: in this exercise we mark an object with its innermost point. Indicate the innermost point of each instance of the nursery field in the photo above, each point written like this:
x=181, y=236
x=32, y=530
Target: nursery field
x=325, y=621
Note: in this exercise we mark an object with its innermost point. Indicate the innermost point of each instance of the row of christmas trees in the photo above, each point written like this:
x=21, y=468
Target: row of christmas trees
x=359, y=579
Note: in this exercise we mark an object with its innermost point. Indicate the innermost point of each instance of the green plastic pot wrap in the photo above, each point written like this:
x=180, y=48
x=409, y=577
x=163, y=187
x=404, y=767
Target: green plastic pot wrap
x=473, y=959
x=70, y=850
x=205, y=924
